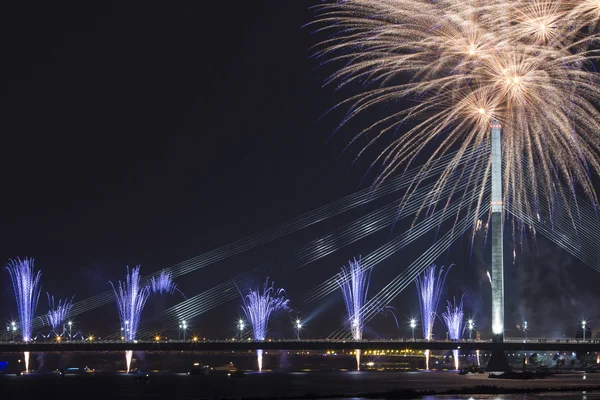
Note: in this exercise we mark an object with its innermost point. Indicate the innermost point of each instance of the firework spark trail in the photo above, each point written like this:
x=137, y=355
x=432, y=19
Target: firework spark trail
x=163, y=283
x=454, y=317
x=429, y=288
x=57, y=314
x=435, y=219
x=131, y=298
x=258, y=308
x=408, y=276
x=354, y=282
x=26, y=284
x=580, y=243
x=313, y=251
x=525, y=63
x=390, y=248
x=315, y=216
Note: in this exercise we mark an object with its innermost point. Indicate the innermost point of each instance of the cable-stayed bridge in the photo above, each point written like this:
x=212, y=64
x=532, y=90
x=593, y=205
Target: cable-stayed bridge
x=571, y=223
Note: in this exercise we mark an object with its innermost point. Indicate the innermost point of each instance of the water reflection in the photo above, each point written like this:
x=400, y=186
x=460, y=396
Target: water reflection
x=545, y=396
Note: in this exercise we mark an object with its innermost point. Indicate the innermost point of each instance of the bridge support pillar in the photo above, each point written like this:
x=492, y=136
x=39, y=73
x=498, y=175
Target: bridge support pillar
x=498, y=361
x=496, y=237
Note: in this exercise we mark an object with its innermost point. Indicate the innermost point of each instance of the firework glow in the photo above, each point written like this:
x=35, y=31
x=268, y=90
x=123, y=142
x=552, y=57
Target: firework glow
x=454, y=318
x=163, y=283
x=354, y=282
x=458, y=66
x=26, y=284
x=57, y=314
x=429, y=290
x=258, y=308
x=131, y=299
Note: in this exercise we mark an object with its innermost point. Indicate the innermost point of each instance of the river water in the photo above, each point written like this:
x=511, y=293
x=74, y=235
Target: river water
x=308, y=384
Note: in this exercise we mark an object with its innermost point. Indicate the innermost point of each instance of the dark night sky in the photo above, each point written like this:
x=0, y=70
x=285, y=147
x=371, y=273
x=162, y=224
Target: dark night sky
x=147, y=134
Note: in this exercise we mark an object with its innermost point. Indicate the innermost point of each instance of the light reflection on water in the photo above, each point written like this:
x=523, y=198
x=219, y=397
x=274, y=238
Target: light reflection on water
x=543, y=396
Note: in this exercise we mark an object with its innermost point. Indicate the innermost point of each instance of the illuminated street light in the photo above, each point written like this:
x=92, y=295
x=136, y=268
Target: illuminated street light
x=470, y=325
x=13, y=325
x=298, y=327
x=413, y=325
x=525, y=330
x=183, y=328
x=583, y=324
x=240, y=326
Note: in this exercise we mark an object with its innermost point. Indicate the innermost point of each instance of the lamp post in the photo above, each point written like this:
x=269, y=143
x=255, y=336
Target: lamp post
x=470, y=325
x=183, y=327
x=70, y=323
x=583, y=324
x=14, y=329
x=413, y=325
x=525, y=330
x=298, y=327
x=240, y=326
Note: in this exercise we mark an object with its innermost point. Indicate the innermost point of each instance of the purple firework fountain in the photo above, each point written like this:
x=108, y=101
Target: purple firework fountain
x=26, y=284
x=163, y=284
x=258, y=308
x=57, y=314
x=131, y=298
x=429, y=289
x=454, y=317
x=354, y=284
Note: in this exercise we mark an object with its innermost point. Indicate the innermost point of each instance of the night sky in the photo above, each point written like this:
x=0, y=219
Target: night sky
x=141, y=133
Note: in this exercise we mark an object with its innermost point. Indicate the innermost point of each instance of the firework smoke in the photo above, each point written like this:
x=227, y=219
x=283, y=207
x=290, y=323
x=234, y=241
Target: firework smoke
x=454, y=317
x=57, y=314
x=354, y=283
x=429, y=289
x=258, y=308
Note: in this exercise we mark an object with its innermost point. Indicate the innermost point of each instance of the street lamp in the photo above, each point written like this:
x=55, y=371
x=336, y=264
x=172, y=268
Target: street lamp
x=583, y=324
x=470, y=325
x=413, y=325
x=183, y=327
x=13, y=325
x=240, y=326
x=525, y=329
x=298, y=327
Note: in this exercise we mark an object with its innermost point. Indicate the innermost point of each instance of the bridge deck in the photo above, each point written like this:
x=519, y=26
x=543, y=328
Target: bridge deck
x=312, y=345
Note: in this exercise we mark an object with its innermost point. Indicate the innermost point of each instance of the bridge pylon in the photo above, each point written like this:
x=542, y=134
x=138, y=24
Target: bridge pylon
x=498, y=361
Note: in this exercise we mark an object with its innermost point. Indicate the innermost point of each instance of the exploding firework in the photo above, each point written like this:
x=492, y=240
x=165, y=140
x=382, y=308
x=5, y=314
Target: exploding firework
x=454, y=317
x=354, y=283
x=163, y=283
x=26, y=284
x=57, y=313
x=459, y=66
x=429, y=289
x=131, y=299
x=258, y=308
